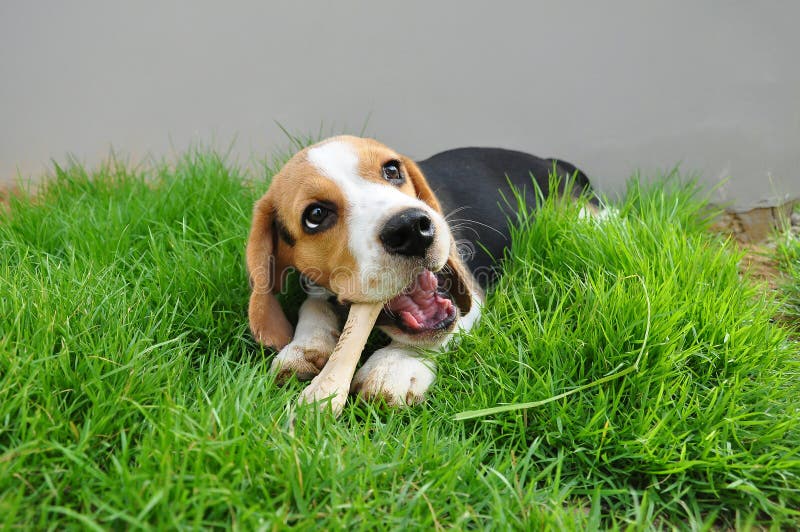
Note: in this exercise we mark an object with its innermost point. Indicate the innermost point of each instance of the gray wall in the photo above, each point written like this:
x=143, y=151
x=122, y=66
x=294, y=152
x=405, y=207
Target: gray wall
x=713, y=86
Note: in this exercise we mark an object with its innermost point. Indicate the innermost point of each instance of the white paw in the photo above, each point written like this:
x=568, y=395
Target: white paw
x=395, y=376
x=304, y=358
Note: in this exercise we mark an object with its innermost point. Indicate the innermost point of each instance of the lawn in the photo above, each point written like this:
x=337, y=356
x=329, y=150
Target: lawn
x=659, y=389
x=788, y=257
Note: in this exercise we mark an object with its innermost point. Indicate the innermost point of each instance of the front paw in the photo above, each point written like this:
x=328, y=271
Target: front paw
x=267, y=321
x=395, y=376
x=304, y=360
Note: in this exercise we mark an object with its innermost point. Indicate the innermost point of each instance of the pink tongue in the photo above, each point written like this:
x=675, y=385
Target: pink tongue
x=419, y=306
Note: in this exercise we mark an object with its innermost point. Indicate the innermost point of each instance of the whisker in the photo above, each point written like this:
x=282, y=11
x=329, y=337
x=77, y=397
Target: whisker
x=468, y=220
x=455, y=211
x=465, y=227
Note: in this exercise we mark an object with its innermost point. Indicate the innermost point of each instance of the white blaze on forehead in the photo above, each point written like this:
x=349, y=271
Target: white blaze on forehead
x=336, y=159
x=369, y=203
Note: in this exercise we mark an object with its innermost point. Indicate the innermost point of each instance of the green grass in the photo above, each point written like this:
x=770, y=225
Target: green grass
x=787, y=251
x=131, y=394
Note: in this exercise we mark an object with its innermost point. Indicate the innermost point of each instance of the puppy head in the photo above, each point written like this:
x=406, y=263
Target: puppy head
x=358, y=219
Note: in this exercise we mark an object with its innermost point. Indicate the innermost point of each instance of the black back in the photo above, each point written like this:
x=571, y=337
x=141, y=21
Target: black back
x=468, y=183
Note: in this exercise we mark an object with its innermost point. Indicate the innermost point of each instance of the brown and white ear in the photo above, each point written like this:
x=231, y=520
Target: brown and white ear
x=267, y=320
x=463, y=287
x=421, y=186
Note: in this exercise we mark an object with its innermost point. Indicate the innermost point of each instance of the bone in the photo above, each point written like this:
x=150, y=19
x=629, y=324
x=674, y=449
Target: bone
x=334, y=380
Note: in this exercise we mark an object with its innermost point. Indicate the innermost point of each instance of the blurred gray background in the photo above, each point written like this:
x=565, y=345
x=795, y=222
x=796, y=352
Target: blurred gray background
x=613, y=87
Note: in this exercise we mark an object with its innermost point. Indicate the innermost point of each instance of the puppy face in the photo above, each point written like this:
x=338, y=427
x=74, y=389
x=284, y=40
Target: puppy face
x=357, y=218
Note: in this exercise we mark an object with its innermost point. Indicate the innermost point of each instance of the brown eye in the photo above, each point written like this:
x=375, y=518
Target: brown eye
x=318, y=217
x=391, y=172
x=315, y=216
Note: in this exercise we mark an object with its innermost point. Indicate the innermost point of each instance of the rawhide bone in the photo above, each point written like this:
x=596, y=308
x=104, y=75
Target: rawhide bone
x=334, y=380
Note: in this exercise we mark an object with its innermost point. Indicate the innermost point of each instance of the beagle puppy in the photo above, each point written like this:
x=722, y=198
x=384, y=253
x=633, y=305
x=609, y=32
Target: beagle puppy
x=363, y=223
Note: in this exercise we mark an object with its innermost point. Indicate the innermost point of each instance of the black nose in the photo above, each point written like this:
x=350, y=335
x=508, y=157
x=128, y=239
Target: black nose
x=409, y=233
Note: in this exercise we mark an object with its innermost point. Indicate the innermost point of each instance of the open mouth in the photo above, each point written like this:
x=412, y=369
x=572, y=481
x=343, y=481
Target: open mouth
x=422, y=307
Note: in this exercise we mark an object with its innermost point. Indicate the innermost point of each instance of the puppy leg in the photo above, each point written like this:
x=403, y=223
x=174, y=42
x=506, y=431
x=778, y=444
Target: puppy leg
x=398, y=374
x=395, y=373
x=315, y=337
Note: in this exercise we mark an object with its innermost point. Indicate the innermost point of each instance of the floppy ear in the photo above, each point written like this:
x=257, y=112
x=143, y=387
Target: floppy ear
x=267, y=320
x=462, y=284
x=421, y=185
